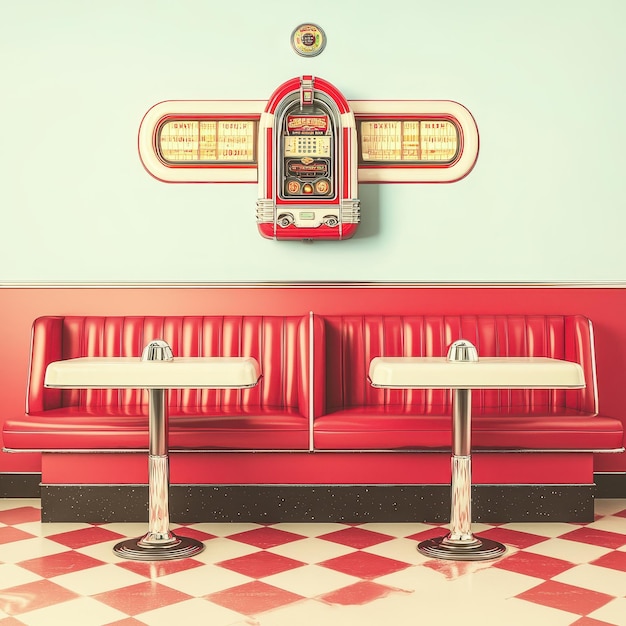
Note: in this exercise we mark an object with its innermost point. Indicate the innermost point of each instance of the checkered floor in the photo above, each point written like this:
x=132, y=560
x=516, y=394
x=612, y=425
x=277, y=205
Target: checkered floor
x=312, y=575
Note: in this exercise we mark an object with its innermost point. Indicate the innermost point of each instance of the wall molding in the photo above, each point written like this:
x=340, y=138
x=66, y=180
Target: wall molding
x=311, y=284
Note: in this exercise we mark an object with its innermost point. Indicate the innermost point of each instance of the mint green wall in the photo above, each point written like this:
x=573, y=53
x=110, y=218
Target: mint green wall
x=544, y=80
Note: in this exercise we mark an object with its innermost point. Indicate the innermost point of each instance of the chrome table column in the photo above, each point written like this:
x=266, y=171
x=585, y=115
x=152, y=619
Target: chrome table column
x=159, y=543
x=460, y=544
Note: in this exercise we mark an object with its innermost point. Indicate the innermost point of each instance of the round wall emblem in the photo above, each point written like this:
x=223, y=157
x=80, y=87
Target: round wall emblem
x=308, y=40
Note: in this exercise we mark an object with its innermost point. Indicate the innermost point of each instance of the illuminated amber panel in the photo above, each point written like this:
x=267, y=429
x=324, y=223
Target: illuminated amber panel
x=432, y=141
x=207, y=141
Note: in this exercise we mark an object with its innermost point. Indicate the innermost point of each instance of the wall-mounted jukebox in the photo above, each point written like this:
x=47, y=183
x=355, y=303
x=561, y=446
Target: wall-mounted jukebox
x=308, y=148
x=307, y=164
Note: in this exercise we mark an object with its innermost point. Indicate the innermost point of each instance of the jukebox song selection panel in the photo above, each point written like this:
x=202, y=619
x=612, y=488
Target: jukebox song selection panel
x=207, y=141
x=435, y=141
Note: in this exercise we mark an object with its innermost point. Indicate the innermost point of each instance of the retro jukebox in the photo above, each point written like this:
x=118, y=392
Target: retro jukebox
x=308, y=148
x=308, y=164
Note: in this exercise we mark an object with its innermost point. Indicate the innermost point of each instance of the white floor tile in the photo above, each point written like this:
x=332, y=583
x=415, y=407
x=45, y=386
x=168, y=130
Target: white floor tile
x=13, y=575
x=543, y=529
x=221, y=529
x=83, y=611
x=489, y=583
x=613, y=612
x=611, y=524
x=596, y=578
x=400, y=550
x=89, y=582
x=201, y=581
x=26, y=549
x=18, y=503
x=48, y=529
x=102, y=551
x=127, y=529
x=609, y=506
x=311, y=529
x=311, y=550
x=221, y=548
x=311, y=580
x=516, y=612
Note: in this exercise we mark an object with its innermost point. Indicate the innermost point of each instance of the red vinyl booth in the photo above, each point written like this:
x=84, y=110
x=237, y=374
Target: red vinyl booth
x=329, y=407
x=271, y=415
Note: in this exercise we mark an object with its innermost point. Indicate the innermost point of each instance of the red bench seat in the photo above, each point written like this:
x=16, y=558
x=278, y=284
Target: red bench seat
x=314, y=393
x=353, y=415
x=273, y=415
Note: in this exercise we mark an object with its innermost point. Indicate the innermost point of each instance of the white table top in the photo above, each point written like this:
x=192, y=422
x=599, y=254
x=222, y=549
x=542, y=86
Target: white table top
x=486, y=373
x=133, y=373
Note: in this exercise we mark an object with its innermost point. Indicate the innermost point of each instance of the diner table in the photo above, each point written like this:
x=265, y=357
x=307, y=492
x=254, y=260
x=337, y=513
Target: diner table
x=461, y=371
x=157, y=371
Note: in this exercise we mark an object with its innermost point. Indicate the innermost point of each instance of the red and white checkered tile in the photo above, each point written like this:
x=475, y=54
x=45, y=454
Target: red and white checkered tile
x=312, y=574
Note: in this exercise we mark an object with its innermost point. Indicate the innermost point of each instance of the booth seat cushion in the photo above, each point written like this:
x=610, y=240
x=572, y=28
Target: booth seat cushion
x=396, y=427
x=191, y=428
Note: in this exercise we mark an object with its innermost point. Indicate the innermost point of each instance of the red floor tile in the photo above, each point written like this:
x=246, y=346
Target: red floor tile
x=566, y=597
x=364, y=565
x=355, y=537
x=62, y=563
x=360, y=593
x=266, y=537
x=8, y=534
x=85, y=537
x=32, y=596
x=20, y=515
x=142, y=597
x=613, y=560
x=260, y=564
x=536, y=565
x=193, y=533
x=596, y=537
x=253, y=598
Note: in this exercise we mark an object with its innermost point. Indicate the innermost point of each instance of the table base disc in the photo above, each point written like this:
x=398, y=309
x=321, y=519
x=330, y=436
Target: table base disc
x=484, y=550
x=182, y=548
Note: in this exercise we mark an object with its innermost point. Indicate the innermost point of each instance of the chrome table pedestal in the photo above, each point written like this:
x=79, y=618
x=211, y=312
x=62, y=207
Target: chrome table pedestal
x=157, y=371
x=159, y=543
x=460, y=544
x=461, y=371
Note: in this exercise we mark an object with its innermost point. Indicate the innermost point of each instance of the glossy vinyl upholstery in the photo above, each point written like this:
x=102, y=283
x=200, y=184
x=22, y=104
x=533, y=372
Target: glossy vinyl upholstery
x=314, y=372
x=355, y=415
x=272, y=415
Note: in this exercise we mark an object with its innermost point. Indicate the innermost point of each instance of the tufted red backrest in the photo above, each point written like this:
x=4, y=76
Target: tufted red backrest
x=280, y=344
x=353, y=341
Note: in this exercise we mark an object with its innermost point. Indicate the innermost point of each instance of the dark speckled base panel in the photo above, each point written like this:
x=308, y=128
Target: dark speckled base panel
x=20, y=485
x=318, y=503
